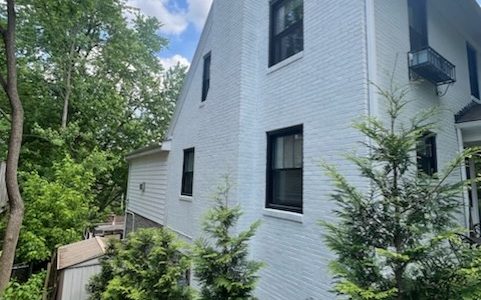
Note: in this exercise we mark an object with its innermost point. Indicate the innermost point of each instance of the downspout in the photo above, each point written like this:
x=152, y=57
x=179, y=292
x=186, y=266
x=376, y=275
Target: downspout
x=371, y=58
x=127, y=212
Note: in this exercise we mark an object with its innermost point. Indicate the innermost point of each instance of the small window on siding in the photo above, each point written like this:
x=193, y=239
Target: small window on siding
x=473, y=71
x=418, y=28
x=426, y=155
x=284, y=169
x=286, y=29
x=188, y=172
x=206, y=77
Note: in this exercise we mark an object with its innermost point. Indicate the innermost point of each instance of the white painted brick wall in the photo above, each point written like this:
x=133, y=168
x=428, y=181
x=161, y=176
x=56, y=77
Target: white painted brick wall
x=325, y=90
x=392, y=29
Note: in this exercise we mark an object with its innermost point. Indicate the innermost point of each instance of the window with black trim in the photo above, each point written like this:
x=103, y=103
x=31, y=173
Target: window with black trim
x=426, y=155
x=473, y=71
x=206, y=76
x=418, y=28
x=286, y=29
x=188, y=172
x=284, y=169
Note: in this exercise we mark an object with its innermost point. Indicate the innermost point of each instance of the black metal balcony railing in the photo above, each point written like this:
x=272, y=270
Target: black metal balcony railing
x=430, y=65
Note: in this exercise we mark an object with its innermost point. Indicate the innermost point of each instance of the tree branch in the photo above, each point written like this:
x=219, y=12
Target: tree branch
x=4, y=113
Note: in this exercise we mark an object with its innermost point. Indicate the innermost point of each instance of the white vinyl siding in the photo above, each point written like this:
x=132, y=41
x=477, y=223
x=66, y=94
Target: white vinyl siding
x=150, y=170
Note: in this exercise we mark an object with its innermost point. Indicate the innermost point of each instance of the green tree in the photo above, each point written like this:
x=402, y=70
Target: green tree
x=150, y=264
x=221, y=262
x=91, y=79
x=58, y=210
x=30, y=290
x=392, y=241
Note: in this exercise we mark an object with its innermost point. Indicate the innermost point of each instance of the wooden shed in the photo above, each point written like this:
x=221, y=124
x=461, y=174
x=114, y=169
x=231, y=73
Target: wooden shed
x=76, y=264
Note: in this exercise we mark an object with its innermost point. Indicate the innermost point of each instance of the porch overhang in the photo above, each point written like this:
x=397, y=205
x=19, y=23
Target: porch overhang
x=468, y=120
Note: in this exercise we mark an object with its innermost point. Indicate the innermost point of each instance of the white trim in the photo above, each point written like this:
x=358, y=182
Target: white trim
x=464, y=177
x=146, y=153
x=285, y=62
x=468, y=124
x=284, y=215
x=475, y=99
x=474, y=192
x=186, y=198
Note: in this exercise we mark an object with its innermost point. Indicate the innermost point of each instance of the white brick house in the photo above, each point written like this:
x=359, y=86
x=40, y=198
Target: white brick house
x=247, y=93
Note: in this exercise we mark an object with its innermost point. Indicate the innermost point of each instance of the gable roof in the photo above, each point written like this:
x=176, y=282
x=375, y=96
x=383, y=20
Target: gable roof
x=472, y=112
x=79, y=252
x=198, y=55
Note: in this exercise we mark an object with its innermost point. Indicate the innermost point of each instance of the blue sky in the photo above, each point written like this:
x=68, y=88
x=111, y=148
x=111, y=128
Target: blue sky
x=183, y=21
x=182, y=25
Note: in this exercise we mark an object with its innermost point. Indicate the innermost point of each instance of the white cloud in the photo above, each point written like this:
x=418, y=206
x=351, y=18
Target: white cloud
x=198, y=11
x=175, y=20
x=168, y=62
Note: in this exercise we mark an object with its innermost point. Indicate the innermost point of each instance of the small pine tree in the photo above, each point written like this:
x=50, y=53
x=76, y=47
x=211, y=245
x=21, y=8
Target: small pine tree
x=221, y=263
x=147, y=265
x=392, y=242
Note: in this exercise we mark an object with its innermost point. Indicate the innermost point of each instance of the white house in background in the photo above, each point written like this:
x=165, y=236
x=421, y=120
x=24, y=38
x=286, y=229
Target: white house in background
x=273, y=88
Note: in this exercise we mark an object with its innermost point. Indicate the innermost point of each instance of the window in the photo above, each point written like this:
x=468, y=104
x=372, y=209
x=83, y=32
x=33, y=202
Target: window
x=418, y=29
x=426, y=155
x=473, y=71
x=284, y=169
x=188, y=172
x=206, y=77
x=286, y=29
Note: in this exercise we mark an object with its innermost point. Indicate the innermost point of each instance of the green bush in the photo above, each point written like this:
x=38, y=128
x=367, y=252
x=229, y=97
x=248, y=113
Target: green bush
x=396, y=240
x=221, y=261
x=148, y=265
x=30, y=290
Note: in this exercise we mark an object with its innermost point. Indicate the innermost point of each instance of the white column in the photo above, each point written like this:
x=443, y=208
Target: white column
x=464, y=177
x=474, y=192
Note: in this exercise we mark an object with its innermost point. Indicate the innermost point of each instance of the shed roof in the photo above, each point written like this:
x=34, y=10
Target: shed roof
x=472, y=112
x=72, y=254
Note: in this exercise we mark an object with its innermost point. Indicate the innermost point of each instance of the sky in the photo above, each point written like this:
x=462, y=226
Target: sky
x=182, y=25
x=182, y=21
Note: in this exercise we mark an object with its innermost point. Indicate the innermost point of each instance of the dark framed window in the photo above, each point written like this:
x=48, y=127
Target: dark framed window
x=284, y=169
x=418, y=27
x=188, y=172
x=206, y=76
x=426, y=155
x=473, y=71
x=286, y=29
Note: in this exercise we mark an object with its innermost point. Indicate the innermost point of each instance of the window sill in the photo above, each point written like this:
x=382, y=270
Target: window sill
x=285, y=62
x=475, y=99
x=284, y=215
x=186, y=198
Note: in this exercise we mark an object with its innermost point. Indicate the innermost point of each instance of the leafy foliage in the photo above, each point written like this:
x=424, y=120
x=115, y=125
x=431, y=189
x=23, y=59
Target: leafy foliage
x=148, y=265
x=392, y=242
x=58, y=209
x=105, y=68
x=221, y=263
x=30, y=290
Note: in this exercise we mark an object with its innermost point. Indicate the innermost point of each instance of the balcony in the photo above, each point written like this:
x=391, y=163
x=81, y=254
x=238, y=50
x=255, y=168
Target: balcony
x=430, y=65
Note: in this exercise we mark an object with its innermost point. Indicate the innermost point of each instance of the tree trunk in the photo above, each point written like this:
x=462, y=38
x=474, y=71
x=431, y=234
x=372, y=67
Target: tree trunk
x=16, y=206
x=68, y=86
